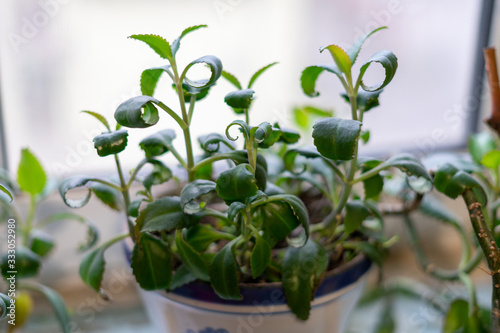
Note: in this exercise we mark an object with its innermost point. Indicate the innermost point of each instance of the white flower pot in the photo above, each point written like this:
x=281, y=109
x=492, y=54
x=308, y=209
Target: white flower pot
x=195, y=308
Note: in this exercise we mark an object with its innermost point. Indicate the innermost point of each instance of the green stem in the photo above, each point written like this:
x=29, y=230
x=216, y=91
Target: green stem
x=490, y=250
x=473, y=306
x=247, y=116
x=182, y=123
x=178, y=157
x=104, y=182
x=29, y=220
x=210, y=160
x=192, y=102
x=136, y=170
x=126, y=197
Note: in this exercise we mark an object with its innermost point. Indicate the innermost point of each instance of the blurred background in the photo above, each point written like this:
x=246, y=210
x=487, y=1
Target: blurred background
x=58, y=57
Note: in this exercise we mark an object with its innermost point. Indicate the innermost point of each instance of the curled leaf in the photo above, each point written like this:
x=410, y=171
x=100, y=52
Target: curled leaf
x=215, y=66
x=390, y=63
x=137, y=112
x=158, y=143
x=111, y=143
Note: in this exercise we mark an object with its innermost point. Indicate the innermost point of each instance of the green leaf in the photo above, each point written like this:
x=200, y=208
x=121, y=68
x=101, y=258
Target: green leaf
x=202, y=235
x=232, y=79
x=354, y=50
x=4, y=303
x=408, y=164
x=340, y=57
x=224, y=273
x=237, y=183
x=356, y=213
x=41, y=243
x=99, y=117
x=457, y=317
x=453, y=182
x=164, y=214
x=386, y=324
x=240, y=99
x=108, y=195
x=390, y=63
x=234, y=209
x=111, y=143
x=27, y=263
x=261, y=255
x=310, y=76
x=241, y=157
x=193, y=191
x=55, y=300
x=365, y=136
x=279, y=219
x=373, y=186
x=137, y=112
x=336, y=138
x=133, y=208
x=191, y=258
x=3, y=189
x=365, y=100
x=182, y=276
x=74, y=182
x=189, y=91
x=151, y=263
x=176, y=44
x=211, y=143
x=158, y=143
x=271, y=138
x=491, y=160
x=259, y=73
x=92, y=267
x=157, y=43
x=480, y=144
x=150, y=78
x=215, y=66
x=302, y=270
x=159, y=175
x=30, y=174
x=288, y=136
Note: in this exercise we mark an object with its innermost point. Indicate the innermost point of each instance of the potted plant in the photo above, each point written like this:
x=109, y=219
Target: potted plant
x=234, y=251
x=27, y=244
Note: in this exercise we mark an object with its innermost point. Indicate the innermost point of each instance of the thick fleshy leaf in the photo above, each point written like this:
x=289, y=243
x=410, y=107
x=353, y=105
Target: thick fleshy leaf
x=366, y=100
x=182, y=276
x=261, y=254
x=99, y=117
x=310, y=76
x=373, y=186
x=4, y=190
x=4, y=303
x=236, y=184
x=303, y=116
x=202, y=235
x=159, y=175
x=279, y=219
x=302, y=270
x=193, y=191
x=259, y=73
x=157, y=43
x=354, y=50
x=164, y=214
x=453, y=182
x=271, y=138
x=491, y=160
x=232, y=79
x=111, y=143
x=26, y=264
x=336, y=138
x=108, y=195
x=151, y=263
x=41, y=243
x=79, y=181
x=224, y=273
x=92, y=267
x=480, y=144
x=390, y=63
x=234, y=209
x=356, y=213
x=215, y=66
x=340, y=57
x=457, y=316
x=176, y=43
x=158, y=143
x=189, y=91
x=288, y=135
x=137, y=112
x=191, y=258
x=30, y=174
x=240, y=99
x=150, y=78
x=211, y=143
x=241, y=157
x=133, y=208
